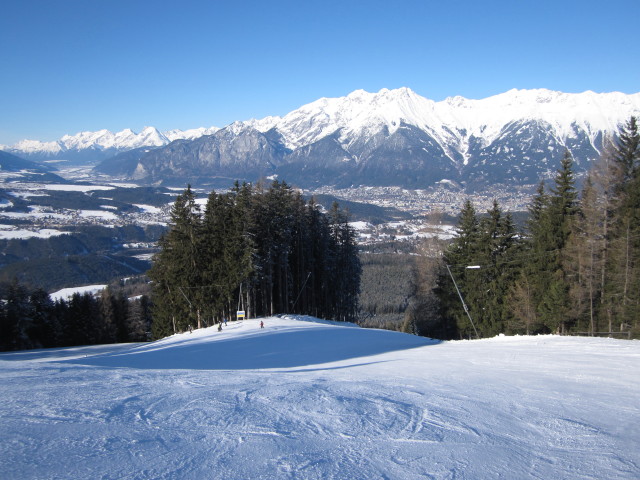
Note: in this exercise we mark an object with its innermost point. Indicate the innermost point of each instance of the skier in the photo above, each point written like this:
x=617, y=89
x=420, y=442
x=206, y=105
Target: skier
x=261, y=324
x=190, y=329
x=220, y=327
x=225, y=321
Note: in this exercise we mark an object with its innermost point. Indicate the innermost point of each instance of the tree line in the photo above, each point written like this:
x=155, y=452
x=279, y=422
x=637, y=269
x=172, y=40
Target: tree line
x=29, y=318
x=257, y=249
x=574, y=268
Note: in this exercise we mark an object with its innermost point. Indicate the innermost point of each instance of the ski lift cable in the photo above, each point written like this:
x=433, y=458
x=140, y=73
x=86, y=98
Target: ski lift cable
x=464, y=305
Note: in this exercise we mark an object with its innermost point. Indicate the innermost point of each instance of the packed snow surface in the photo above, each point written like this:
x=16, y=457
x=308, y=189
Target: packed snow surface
x=307, y=399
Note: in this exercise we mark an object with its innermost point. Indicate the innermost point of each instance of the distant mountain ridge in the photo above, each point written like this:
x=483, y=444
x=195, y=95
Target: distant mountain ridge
x=16, y=168
x=396, y=137
x=92, y=146
x=392, y=137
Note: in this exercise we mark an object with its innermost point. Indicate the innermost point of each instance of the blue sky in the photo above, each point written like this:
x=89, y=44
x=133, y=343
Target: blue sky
x=83, y=65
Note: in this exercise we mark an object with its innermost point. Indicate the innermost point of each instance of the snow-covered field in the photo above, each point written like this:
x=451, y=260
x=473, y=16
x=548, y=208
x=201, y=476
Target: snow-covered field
x=66, y=293
x=8, y=232
x=306, y=399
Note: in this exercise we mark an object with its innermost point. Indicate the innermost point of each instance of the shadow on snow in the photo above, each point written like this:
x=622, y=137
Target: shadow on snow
x=260, y=350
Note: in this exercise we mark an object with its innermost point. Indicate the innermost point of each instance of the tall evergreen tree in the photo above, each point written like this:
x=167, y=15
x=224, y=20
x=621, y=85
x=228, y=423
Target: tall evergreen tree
x=176, y=270
x=461, y=253
x=46, y=330
x=19, y=318
x=550, y=225
x=624, y=259
x=497, y=251
x=138, y=320
x=346, y=268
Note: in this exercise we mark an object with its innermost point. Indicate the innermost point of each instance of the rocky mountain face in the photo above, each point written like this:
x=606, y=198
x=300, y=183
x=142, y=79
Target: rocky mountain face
x=394, y=137
x=238, y=151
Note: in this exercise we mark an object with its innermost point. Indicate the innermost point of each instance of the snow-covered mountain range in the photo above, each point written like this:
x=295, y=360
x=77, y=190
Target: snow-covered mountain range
x=101, y=144
x=455, y=120
x=392, y=137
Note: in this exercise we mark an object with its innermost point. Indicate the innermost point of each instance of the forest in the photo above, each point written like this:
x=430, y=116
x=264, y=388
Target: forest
x=85, y=254
x=575, y=269
x=29, y=318
x=261, y=250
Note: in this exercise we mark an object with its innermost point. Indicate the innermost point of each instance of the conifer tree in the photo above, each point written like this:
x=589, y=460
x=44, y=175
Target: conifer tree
x=176, y=270
x=496, y=254
x=346, y=268
x=624, y=260
x=19, y=318
x=138, y=320
x=318, y=288
x=45, y=328
x=550, y=226
x=460, y=254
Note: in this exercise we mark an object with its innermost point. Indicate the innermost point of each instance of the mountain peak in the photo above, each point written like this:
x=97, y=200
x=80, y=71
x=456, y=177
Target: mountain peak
x=458, y=130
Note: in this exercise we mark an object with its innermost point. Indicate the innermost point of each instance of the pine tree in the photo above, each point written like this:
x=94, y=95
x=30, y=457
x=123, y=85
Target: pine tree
x=176, y=270
x=214, y=267
x=460, y=254
x=346, y=266
x=138, y=320
x=319, y=285
x=496, y=253
x=19, y=317
x=624, y=259
x=108, y=332
x=46, y=330
x=627, y=151
x=550, y=226
x=82, y=321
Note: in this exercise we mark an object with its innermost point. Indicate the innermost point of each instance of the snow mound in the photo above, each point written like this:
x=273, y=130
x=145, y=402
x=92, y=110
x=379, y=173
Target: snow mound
x=546, y=407
x=285, y=342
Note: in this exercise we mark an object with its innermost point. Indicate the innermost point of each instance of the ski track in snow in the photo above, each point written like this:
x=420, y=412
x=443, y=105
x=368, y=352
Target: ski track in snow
x=508, y=407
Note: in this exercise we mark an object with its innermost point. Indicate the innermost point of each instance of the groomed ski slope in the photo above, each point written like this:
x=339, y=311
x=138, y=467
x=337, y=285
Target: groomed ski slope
x=307, y=399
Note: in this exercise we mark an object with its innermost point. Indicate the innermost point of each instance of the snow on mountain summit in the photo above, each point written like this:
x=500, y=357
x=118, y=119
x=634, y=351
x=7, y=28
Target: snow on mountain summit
x=104, y=139
x=360, y=114
x=361, y=111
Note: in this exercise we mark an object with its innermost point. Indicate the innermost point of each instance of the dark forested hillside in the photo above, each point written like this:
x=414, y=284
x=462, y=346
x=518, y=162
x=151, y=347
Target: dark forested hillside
x=385, y=289
x=86, y=255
